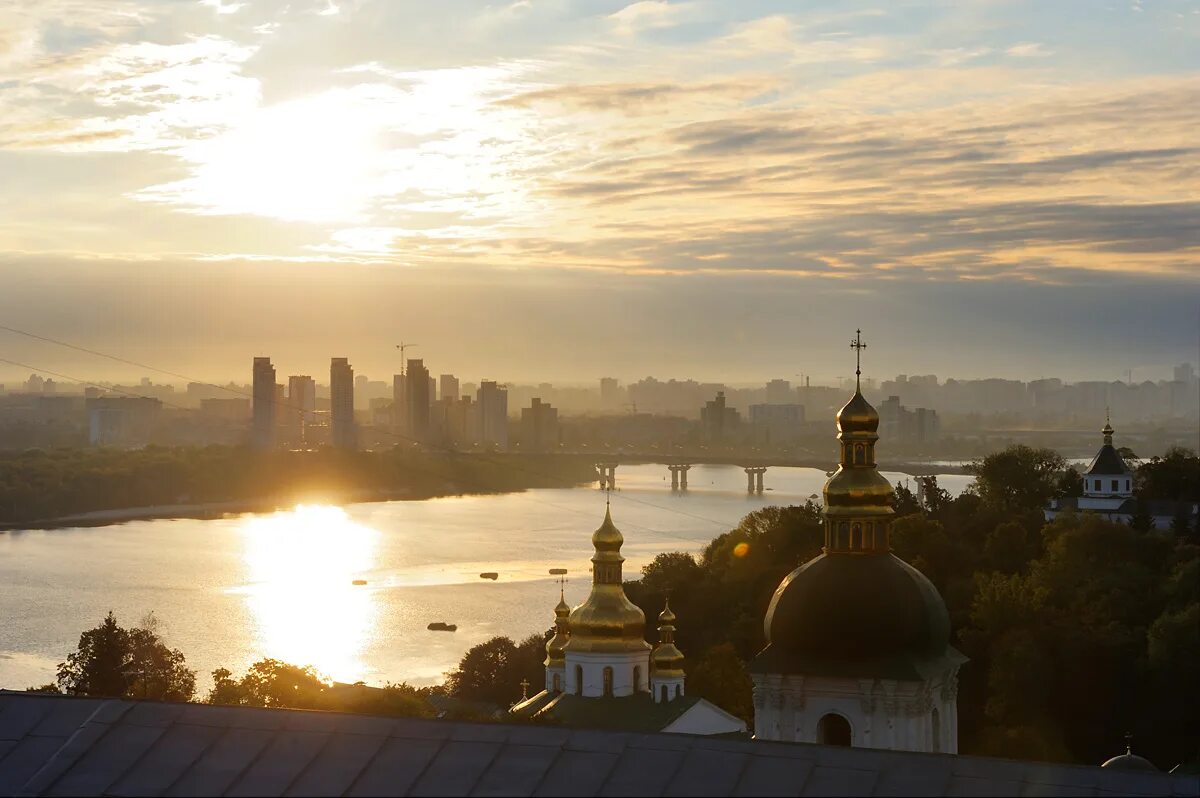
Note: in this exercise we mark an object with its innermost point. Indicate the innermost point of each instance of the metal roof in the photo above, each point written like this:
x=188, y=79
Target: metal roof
x=57, y=745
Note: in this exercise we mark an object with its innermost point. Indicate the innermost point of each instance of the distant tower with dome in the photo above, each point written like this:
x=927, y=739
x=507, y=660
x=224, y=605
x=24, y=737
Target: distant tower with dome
x=858, y=641
x=601, y=672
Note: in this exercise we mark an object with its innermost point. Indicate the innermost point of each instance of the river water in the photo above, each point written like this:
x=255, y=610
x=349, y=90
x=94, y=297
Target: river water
x=233, y=590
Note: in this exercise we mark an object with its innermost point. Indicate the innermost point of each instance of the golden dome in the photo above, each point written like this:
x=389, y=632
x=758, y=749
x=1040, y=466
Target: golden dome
x=607, y=621
x=667, y=660
x=556, y=646
x=858, y=491
x=857, y=415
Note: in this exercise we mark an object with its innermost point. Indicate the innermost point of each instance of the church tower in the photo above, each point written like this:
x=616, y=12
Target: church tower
x=666, y=661
x=607, y=654
x=556, y=664
x=858, y=647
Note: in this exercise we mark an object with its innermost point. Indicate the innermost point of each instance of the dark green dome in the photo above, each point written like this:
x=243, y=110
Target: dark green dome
x=856, y=615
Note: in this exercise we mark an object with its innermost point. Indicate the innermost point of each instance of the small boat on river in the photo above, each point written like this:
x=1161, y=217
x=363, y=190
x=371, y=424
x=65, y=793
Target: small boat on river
x=438, y=626
x=489, y=575
x=359, y=582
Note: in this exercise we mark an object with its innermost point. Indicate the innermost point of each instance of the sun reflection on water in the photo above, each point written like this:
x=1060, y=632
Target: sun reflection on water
x=301, y=565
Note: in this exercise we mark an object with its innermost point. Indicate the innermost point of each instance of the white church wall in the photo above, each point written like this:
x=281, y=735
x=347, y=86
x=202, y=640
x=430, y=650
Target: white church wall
x=625, y=668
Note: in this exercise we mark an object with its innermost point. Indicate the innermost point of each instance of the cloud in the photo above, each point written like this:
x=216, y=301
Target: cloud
x=1028, y=50
x=648, y=15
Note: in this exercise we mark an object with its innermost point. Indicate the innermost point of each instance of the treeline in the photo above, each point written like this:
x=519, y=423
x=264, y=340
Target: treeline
x=41, y=485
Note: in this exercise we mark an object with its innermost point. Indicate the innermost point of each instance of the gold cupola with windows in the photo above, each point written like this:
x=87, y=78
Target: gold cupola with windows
x=858, y=499
x=607, y=622
x=556, y=647
x=667, y=660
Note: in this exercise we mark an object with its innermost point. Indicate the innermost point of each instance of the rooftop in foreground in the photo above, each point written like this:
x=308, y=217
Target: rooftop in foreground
x=57, y=745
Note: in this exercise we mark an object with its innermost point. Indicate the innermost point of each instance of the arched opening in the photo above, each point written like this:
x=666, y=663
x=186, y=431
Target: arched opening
x=935, y=721
x=578, y=680
x=678, y=690
x=637, y=678
x=833, y=729
x=860, y=455
x=663, y=692
x=557, y=683
x=608, y=682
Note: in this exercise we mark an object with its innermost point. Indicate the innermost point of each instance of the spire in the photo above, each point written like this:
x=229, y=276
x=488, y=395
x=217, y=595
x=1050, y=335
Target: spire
x=858, y=346
x=556, y=646
x=1107, y=432
x=667, y=660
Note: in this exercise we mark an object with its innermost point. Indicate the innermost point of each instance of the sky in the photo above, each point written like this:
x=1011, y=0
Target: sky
x=558, y=190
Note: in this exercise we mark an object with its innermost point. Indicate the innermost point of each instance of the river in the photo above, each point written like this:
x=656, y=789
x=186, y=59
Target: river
x=232, y=590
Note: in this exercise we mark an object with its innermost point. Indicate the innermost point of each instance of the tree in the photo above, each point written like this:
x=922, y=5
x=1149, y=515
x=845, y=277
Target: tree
x=1017, y=479
x=116, y=662
x=906, y=501
x=936, y=499
x=493, y=671
x=719, y=675
x=1173, y=476
x=670, y=573
x=1070, y=483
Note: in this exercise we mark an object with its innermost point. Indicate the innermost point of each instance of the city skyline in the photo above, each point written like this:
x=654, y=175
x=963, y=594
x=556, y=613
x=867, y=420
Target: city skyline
x=183, y=181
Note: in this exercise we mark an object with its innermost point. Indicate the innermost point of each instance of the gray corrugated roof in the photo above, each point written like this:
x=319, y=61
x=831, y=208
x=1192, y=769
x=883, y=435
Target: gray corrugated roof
x=57, y=745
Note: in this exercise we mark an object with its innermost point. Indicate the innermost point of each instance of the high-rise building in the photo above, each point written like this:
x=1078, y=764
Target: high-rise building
x=417, y=401
x=779, y=392
x=717, y=419
x=341, y=403
x=449, y=387
x=539, y=427
x=399, y=403
x=301, y=404
x=610, y=393
x=1185, y=373
x=262, y=425
x=493, y=415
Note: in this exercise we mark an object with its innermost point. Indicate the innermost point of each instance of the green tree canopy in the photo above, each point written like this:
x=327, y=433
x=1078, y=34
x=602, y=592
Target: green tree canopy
x=117, y=662
x=1018, y=479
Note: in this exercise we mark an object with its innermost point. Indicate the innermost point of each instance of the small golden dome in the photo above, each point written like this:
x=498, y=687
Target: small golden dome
x=556, y=646
x=607, y=621
x=857, y=415
x=667, y=660
x=858, y=491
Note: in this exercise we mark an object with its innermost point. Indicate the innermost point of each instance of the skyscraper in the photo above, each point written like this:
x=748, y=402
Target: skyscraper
x=493, y=415
x=610, y=393
x=341, y=403
x=449, y=387
x=539, y=427
x=301, y=404
x=262, y=426
x=417, y=410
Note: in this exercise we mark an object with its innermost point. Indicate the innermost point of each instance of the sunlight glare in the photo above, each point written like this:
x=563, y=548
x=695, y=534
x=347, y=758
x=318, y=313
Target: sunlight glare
x=301, y=564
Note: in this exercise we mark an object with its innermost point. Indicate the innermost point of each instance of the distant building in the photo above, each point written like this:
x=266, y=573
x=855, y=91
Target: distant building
x=1185, y=373
x=492, y=412
x=400, y=403
x=231, y=409
x=539, y=427
x=921, y=426
x=717, y=420
x=779, y=392
x=777, y=423
x=610, y=393
x=448, y=388
x=417, y=397
x=262, y=424
x=301, y=405
x=341, y=404
x=121, y=421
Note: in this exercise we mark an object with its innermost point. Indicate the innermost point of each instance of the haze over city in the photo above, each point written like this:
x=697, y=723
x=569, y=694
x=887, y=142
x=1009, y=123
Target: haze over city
x=552, y=190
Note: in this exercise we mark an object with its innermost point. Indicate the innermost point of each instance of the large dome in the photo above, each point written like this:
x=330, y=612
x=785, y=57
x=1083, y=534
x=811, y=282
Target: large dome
x=857, y=616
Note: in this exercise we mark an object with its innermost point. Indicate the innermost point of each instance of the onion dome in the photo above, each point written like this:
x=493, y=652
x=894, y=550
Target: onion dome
x=858, y=499
x=1108, y=461
x=607, y=622
x=667, y=660
x=857, y=415
x=557, y=644
x=840, y=615
x=1129, y=761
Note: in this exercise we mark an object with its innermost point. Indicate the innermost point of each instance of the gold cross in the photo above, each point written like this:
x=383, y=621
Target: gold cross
x=858, y=346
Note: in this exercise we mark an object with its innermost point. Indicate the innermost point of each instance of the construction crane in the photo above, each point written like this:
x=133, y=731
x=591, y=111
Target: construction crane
x=402, y=346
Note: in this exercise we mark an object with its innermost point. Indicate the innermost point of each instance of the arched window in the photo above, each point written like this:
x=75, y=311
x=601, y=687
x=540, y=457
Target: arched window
x=578, y=680
x=678, y=690
x=833, y=729
x=869, y=536
x=936, y=722
x=1126, y=484
x=637, y=679
x=608, y=682
x=856, y=536
x=843, y=534
x=557, y=683
x=859, y=454
x=664, y=694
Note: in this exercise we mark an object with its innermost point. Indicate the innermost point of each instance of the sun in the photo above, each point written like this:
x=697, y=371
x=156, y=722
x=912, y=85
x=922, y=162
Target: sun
x=313, y=159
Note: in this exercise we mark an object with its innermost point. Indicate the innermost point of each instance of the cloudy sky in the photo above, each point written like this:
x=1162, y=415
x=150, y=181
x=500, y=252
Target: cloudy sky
x=560, y=189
